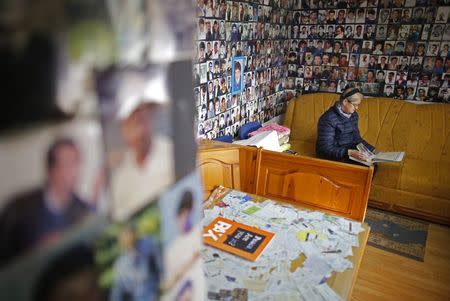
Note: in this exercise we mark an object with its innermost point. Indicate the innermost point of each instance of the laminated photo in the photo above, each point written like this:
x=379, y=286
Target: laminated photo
x=181, y=227
x=190, y=286
x=51, y=184
x=136, y=120
x=132, y=29
x=153, y=31
x=442, y=15
x=64, y=268
x=128, y=257
x=48, y=58
x=237, y=78
x=87, y=43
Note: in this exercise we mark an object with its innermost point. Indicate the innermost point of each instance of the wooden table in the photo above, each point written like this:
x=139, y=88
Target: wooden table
x=342, y=283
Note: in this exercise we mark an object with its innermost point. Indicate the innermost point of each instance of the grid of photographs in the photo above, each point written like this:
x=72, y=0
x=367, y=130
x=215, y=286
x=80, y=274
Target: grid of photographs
x=392, y=48
x=240, y=64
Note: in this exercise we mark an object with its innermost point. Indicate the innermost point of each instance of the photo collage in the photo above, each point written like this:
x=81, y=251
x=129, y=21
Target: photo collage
x=240, y=64
x=97, y=205
x=391, y=48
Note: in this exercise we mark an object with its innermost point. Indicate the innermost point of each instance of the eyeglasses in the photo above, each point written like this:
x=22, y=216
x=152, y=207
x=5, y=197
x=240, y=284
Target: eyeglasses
x=353, y=104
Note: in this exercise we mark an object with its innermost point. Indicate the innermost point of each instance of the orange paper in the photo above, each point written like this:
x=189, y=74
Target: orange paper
x=236, y=238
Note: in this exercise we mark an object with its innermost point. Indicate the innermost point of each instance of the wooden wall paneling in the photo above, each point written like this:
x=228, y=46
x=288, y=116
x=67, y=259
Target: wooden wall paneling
x=338, y=188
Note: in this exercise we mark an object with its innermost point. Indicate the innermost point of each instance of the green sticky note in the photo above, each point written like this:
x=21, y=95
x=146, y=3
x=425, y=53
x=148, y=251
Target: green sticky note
x=251, y=210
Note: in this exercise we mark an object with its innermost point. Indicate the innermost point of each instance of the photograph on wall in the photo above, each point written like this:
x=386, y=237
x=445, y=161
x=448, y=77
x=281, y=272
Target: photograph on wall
x=87, y=44
x=190, y=286
x=135, y=113
x=181, y=227
x=61, y=269
x=50, y=185
x=172, y=29
x=131, y=25
x=128, y=257
x=152, y=31
x=52, y=53
x=237, y=78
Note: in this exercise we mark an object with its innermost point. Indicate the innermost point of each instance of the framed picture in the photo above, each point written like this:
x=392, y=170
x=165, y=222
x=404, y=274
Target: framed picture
x=237, y=80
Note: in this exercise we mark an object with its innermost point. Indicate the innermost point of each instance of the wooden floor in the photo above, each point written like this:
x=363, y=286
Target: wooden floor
x=387, y=276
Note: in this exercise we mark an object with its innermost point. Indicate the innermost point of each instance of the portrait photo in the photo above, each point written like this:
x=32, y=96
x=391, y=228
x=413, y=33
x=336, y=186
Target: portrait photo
x=181, y=238
x=51, y=185
x=135, y=110
x=237, y=78
x=131, y=261
x=437, y=32
x=189, y=287
x=442, y=15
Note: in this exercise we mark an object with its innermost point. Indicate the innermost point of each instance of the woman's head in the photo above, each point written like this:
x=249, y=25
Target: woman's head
x=350, y=100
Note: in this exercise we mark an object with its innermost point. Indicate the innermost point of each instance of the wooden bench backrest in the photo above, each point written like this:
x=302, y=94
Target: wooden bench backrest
x=337, y=188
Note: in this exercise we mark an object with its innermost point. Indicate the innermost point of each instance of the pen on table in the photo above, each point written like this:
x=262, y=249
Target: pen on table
x=332, y=251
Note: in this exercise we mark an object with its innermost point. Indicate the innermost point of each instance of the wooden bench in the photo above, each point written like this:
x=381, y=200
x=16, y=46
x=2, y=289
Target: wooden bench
x=419, y=186
x=333, y=187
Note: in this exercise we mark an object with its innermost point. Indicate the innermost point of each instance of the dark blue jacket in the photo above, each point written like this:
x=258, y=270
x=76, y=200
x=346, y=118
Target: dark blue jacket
x=336, y=134
x=27, y=222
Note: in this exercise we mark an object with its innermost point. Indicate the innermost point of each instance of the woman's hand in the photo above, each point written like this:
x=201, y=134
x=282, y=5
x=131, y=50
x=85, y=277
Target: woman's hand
x=357, y=154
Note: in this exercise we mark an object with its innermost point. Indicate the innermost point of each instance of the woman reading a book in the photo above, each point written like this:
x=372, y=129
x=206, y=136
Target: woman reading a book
x=337, y=130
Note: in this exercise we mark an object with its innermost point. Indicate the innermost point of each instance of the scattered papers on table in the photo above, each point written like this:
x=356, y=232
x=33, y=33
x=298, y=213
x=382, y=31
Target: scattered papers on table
x=307, y=248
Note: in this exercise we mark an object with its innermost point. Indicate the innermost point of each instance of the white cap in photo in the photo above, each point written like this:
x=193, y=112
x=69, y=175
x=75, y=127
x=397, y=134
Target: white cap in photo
x=136, y=88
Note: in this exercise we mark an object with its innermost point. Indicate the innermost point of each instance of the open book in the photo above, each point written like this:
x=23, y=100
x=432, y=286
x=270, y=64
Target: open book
x=379, y=157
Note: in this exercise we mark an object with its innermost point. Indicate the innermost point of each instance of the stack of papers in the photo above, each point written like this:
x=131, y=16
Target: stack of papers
x=266, y=140
x=317, y=242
